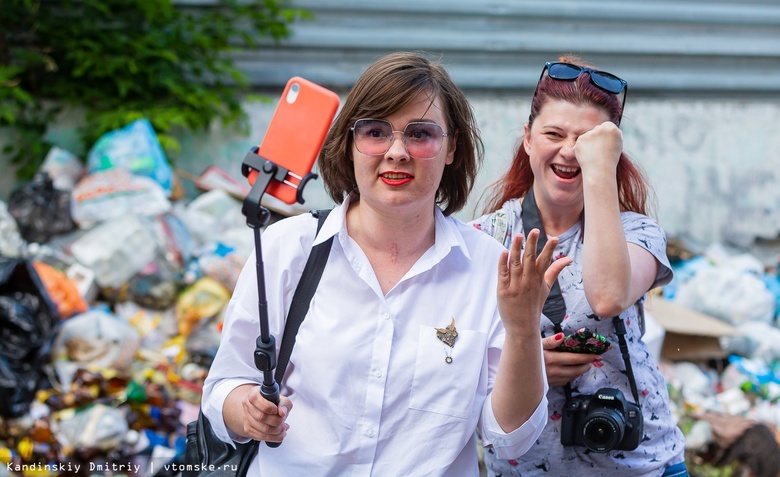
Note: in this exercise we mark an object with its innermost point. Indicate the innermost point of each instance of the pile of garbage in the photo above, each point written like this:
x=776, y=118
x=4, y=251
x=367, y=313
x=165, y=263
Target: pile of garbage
x=112, y=288
x=728, y=399
x=113, y=285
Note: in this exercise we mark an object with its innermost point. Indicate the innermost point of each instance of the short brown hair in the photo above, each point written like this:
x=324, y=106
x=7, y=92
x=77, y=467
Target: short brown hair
x=388, y=85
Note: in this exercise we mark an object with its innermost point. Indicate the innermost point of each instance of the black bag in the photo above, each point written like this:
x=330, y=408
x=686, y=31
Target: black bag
x=28, y=325
x=40, y=210
x=204, y=450
x=205, y=454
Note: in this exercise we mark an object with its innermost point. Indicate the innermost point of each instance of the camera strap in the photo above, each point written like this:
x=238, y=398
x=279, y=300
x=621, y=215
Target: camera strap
x=555, y=306
x=620, y=330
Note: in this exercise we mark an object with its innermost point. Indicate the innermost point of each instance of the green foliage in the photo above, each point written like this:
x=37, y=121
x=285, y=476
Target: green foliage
x=121, y=60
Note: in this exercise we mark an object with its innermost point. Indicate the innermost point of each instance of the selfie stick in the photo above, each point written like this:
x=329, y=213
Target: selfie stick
x=257, y=217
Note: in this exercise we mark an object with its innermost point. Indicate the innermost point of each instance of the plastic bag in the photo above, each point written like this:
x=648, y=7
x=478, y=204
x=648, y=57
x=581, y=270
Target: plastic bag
x=28, y=324
x=222, y=263
x=135, y=148
x=62, y=290
x=154, y=287
x=97, y=339
x=116, y=250
x=756, y=340
x=40, y=210
x=204, y=299
x=751, y=376
x=174, y=239
x=11, y=243
x=732, y=295
x=103, y=196
x=64, y=168
x=211, y=215
x=202, y=343
x=99, y=427
x=156, y=327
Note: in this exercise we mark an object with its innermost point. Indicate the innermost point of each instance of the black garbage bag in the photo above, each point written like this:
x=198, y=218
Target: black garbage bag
x=40, y=210
x=28, y=326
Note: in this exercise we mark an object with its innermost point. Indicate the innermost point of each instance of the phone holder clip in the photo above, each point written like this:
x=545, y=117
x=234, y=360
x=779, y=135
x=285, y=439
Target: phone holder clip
x=257, y=216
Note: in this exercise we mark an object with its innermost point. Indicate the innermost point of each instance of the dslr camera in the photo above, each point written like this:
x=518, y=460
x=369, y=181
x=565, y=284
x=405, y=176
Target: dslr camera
x=602, y=422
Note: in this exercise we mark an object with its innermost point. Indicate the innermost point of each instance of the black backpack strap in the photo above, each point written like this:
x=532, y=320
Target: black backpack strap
x=555, y=306
x=307, y=285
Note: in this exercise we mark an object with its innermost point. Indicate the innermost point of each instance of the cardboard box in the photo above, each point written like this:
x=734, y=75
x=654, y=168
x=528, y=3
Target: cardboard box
x=690, y=335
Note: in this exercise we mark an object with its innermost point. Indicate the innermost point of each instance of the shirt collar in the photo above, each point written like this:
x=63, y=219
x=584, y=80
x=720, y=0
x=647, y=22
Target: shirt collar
x=448, y=233
x=334, y=223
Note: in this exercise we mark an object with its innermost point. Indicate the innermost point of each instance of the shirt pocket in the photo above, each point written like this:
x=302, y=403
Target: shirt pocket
x=447, y=388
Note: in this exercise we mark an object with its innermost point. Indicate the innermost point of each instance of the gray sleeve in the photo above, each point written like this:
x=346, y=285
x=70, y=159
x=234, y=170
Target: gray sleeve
x=648, y=234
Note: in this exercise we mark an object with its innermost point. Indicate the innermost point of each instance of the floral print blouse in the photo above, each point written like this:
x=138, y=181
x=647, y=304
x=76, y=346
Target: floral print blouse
x=663, y=442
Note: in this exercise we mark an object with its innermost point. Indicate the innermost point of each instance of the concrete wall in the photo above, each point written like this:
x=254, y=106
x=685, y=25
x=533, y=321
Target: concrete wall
x=714, y=164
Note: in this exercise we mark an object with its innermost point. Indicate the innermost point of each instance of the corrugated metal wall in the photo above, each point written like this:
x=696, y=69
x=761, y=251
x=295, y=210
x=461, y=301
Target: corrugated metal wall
x=688, y=46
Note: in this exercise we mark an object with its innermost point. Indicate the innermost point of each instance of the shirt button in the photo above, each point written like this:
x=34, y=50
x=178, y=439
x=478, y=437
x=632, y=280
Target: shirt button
x=378, y=373
x=369, y=432
x=386, y=316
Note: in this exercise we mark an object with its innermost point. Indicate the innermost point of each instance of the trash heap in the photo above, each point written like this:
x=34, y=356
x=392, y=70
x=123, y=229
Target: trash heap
x=112, y=289
x=721, y=358
x=113, y=285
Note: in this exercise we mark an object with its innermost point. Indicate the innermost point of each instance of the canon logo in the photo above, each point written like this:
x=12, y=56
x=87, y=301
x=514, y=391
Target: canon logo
x=606, y=396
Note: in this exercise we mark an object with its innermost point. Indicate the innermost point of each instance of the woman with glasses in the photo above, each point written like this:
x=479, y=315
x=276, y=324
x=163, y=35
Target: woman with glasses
x=397, y=361
x=571, y=178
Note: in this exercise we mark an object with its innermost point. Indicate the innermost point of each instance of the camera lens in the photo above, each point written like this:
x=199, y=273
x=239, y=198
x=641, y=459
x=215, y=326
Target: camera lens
x=603, y=430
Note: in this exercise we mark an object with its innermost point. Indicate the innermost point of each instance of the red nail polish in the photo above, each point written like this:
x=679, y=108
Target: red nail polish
x=558, y=336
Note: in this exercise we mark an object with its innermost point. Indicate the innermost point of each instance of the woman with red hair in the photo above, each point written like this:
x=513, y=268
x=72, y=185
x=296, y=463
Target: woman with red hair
x=608, y=404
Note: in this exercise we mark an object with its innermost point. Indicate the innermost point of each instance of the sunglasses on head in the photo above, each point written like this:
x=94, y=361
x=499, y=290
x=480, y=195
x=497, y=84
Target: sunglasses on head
x=606, y=81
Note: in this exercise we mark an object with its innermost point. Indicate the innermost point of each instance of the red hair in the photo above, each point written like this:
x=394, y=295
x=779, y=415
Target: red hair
x=632, y=186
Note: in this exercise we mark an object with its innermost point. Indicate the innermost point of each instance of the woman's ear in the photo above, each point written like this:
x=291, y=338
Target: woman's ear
x=526, y=138
x=452, y=146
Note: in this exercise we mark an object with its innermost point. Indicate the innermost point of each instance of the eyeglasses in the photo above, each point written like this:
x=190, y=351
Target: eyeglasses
x=605, y=81
x=423, y=140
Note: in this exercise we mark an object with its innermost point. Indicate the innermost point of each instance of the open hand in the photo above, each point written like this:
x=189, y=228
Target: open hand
x=524, y=281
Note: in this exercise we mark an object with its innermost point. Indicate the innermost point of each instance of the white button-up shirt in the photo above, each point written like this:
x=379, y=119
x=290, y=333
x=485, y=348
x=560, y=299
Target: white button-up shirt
x=372, y=393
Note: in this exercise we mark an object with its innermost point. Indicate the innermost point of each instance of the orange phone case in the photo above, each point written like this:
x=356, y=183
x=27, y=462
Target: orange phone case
x=296, y=134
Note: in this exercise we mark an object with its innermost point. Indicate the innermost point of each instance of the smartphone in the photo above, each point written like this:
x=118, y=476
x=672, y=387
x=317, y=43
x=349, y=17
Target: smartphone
x=584, y=341
x=295, y=135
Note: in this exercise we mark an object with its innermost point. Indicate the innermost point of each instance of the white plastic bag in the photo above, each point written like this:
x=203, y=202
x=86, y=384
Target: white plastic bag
x=729, y=294
x=99, y=427
x=756, y=340
x=116, y=250
x=105, y=195
x=64, y=168
x=97, y=340
x=211, y=215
